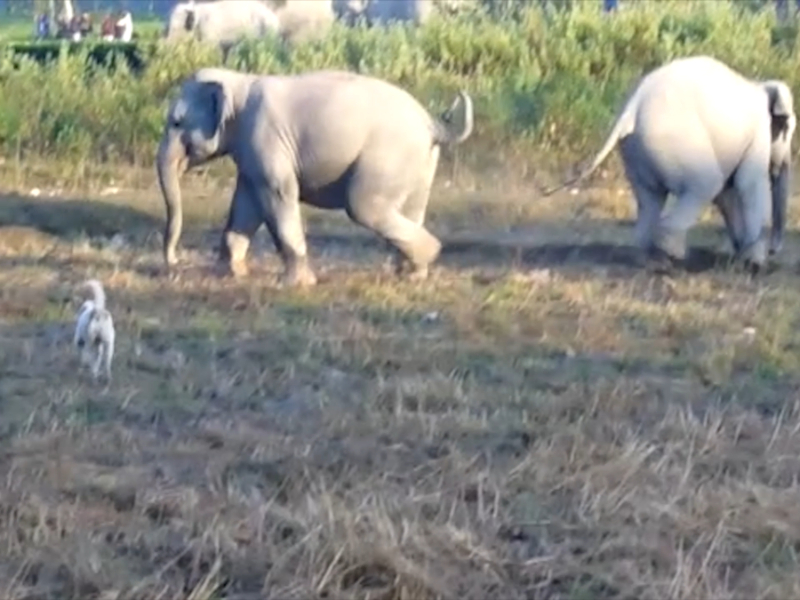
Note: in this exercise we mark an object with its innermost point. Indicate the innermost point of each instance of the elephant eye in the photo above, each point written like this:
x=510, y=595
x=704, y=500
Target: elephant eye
x=176, y=122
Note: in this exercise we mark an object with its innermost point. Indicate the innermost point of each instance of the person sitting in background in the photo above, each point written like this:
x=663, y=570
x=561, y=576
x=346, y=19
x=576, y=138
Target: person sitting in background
x=43, y=26
x=107, y=28
x=124, y=27
x=85, y=25
x=74, y=29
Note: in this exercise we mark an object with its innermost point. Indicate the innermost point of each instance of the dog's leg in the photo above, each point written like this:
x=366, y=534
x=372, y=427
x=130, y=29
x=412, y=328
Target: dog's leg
x=108, y=352
x=86, y=358
x=97, y=363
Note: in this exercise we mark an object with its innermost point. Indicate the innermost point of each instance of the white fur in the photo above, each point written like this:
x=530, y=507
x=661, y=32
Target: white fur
x=94, y=331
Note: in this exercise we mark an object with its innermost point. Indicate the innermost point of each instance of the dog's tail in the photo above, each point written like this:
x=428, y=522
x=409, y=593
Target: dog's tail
x=98, y=292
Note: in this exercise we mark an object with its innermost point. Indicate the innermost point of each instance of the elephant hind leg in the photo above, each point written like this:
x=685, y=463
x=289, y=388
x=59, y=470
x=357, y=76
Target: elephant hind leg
x=698, y=192
x=416, y=205
x=650, y=194
x=412, y=240
x=650, y=201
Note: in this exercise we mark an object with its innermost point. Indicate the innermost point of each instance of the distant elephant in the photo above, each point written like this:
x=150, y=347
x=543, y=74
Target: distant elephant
x=701, y=131
x=223, y=22
x=349, y=11
x=386, y=11
x=302, y=20
x=377, y=12
x=330, y=139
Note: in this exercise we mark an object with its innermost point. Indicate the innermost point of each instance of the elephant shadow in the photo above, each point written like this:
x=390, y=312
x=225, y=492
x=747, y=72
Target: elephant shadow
x=67, y=218
x=501, y=252
x=582, y=255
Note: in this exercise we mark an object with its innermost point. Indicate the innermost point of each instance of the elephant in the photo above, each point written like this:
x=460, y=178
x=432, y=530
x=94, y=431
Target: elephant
x=350, y=11
x=223, y=21
x=701, y=131
x=418, y=12
x=330, y=139
x=385, y=11
x=303, y=20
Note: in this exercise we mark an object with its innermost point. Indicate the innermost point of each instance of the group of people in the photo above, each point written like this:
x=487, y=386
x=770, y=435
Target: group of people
x=115, y=26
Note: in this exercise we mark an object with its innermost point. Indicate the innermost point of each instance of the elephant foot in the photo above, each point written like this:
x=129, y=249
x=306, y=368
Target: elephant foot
x=415, y=273
x=430, y=251
x=233, y=253
x=228, y=267
x=659, y=262
x=775, y=246
x=754, y=257
x=425, y=253
x=408, y=271
x=235, y=269
x=298, y=275
x=671, y=243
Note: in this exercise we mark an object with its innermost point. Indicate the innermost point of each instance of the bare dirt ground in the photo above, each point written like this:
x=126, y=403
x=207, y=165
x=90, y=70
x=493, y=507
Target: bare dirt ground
x=541, y=419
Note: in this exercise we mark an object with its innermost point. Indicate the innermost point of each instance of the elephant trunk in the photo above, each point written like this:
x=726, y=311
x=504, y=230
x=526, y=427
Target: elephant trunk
x=780, y=196
x=455, y=125
x=171, y=163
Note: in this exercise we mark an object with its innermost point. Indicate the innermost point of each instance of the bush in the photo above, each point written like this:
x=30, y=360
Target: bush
x=97, y=53
x=552, y=78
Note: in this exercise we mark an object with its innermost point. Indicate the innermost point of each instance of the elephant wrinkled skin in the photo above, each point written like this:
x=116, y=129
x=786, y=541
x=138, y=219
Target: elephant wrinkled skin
x=331, y=139
x=699, y=130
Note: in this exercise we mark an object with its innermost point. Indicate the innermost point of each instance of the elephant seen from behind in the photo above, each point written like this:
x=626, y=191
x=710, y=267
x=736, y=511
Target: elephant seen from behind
x=697, y=129
x=331, y=139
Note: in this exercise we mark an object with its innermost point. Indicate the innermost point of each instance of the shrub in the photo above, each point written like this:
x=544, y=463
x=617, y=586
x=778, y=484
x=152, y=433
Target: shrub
x=552, y=78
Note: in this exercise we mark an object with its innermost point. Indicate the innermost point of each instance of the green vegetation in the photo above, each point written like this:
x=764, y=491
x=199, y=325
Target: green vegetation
x=550, y=79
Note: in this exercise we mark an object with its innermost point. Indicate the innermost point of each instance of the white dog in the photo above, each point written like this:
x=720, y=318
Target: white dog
x=94, y=331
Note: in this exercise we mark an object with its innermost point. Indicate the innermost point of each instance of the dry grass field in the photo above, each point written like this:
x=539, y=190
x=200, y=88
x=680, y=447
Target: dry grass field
x=541, y=419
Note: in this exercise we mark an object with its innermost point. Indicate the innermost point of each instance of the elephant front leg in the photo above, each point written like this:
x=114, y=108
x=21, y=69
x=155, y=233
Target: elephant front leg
x=281, y=212
x=244, y=219
x=780, y=184
x=753, y=187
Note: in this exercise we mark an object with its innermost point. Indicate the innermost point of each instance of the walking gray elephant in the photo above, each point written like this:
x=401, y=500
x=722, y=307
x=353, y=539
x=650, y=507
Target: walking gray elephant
x=223, y=22
x=701, y=131
x=333, y=140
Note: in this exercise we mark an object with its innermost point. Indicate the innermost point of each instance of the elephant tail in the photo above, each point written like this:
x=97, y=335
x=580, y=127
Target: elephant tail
x=456, y=123
x=623, y=126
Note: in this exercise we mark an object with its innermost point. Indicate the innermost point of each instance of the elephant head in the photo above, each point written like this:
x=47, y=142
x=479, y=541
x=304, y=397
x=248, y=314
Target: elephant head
x=783, y=122
x=197, y=130
x=181, y=20
x=191, y=19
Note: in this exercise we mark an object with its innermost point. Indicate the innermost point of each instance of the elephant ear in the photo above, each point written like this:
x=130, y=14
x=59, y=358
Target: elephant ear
x=191, y=18
x=780, y=106
x=212, y=95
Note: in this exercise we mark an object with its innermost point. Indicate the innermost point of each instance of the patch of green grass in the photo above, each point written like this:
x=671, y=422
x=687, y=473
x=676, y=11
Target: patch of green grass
x=14, y=28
